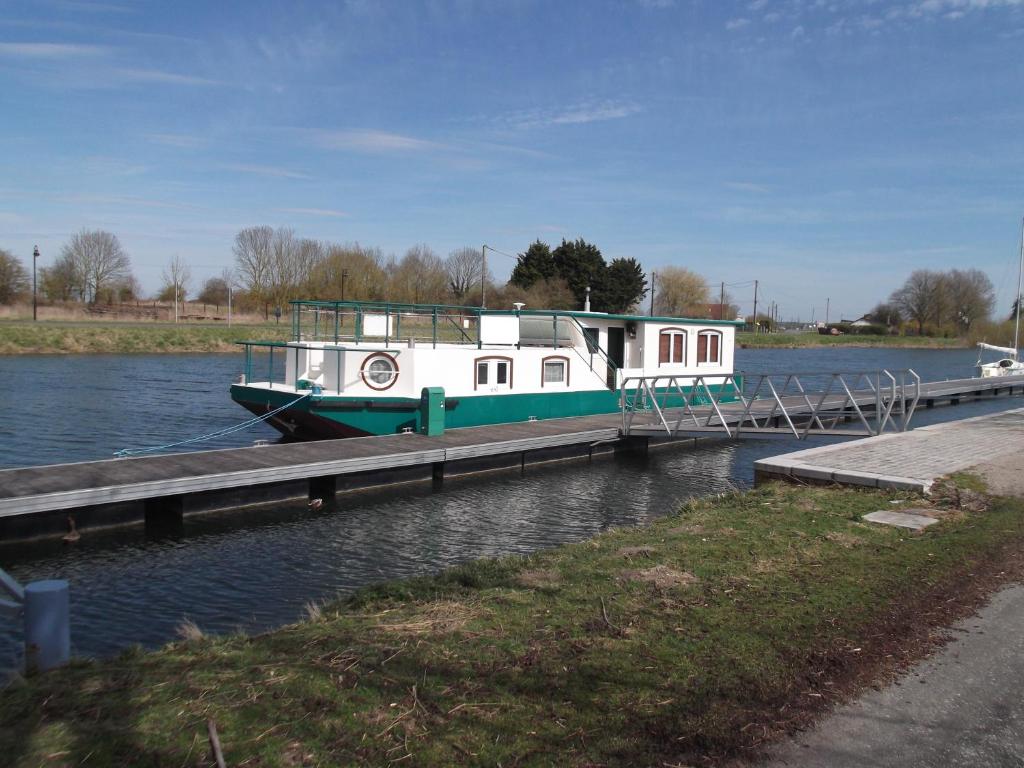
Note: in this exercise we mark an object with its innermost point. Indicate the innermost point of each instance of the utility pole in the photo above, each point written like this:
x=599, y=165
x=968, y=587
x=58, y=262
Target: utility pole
x=1020, y=277
x=827, y=302
x=483, y=279
x=755, y=306
x=35, y=258
x=721, y=302
x=652, y=293
x=229, y=303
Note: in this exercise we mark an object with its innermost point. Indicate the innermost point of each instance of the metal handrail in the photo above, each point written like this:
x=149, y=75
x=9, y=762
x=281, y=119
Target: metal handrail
x=592, y=345
x=734, y=404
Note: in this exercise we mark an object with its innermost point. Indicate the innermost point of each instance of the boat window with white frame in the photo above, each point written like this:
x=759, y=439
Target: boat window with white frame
x=709, y=348
x=493, y=373
x=555, y=370
x=672, y=346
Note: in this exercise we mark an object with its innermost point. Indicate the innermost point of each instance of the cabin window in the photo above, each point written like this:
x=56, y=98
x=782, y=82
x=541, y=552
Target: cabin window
x=379, y=371
x=672, y=346
x=709, y=348
x=554, y=370
x=493, y=373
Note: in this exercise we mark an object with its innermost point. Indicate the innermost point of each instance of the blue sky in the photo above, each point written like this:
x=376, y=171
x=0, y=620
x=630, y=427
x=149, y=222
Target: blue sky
x=824, y=147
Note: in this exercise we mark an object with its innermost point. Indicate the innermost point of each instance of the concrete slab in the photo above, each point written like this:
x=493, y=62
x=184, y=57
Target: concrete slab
x=892, y=482
x=908, y=519
x=853, y=477
x=812, y=473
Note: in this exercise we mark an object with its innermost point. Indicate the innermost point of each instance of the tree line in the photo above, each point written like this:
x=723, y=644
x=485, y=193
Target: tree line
x=937, y=302
x=273, y=266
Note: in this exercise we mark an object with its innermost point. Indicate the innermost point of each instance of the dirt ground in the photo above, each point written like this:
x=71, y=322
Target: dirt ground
x=1005, y=475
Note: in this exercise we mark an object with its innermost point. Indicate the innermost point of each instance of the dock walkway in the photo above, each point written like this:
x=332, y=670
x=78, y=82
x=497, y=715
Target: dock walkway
x=907, y=460
x=36, y=500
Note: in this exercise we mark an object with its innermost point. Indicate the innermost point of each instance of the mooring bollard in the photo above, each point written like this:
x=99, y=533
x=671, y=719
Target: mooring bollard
x=47, y=625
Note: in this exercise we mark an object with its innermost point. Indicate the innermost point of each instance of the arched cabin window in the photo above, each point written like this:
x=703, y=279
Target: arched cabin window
x=554, y=371
x=709, y=348
x=672, y=346
x=492, y=373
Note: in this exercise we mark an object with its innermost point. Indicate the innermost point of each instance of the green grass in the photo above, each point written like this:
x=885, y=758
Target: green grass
x=794, y=340
x=568, y=657
x=19, y=337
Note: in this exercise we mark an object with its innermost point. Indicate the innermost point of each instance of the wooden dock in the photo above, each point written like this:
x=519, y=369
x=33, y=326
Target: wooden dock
x=36, y=500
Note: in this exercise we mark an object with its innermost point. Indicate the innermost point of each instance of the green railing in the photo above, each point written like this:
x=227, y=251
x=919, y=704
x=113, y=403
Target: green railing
x=338, y=321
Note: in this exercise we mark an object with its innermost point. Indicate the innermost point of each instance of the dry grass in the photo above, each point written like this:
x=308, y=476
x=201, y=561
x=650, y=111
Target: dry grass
x=189, y=631
x=661, y=576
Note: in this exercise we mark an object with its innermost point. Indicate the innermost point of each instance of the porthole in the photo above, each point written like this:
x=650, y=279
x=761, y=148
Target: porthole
x=379, y=371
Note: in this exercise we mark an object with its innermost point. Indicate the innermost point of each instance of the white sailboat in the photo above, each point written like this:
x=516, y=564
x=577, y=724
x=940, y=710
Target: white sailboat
x=1010, y=365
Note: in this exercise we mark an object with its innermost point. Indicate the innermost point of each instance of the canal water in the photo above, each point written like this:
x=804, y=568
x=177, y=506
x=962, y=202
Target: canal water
x=254, y=569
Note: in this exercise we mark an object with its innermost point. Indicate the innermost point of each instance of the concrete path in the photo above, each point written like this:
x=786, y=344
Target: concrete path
x=908, y=460
x=963, y=707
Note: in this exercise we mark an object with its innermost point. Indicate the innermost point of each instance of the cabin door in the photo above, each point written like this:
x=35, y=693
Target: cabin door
x=616, y=353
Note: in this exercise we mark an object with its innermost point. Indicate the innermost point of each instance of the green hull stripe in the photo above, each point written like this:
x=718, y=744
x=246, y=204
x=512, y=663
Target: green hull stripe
x=388, y=415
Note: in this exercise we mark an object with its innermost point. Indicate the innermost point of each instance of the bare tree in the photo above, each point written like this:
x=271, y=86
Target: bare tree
x=13, y=277
x=349, y=272
x=971, y=297
x=679, y=292
x=254, y=260
x=98, y=258
x=419, y=277
x=919, y=299
x=177, y=277
x=464, y=266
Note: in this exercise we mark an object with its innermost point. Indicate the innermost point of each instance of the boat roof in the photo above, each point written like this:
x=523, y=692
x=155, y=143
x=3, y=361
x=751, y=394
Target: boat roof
x=385, y=306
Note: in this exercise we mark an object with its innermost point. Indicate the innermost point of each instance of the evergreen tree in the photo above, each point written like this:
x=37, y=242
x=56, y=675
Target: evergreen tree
x=625, y=284
x=533, y=266
x=581, y=265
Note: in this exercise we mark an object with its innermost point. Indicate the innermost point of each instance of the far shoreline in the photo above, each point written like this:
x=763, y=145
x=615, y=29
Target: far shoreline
x=23, y=337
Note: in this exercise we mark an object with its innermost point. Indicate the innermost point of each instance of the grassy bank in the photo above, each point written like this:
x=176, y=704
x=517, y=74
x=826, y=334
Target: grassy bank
x=18, y=337
x=798, y=340
x=693, y=639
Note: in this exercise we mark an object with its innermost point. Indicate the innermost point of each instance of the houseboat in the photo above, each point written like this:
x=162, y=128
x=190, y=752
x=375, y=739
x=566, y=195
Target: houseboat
x=356, y=368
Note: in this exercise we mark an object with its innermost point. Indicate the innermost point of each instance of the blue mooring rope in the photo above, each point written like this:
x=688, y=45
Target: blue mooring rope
x=219, y=433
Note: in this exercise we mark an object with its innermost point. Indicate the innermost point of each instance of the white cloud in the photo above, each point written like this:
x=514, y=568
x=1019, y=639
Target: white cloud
x=797, y=32
x=587, y=112
x=756, y=5
x=265, y=170
x=325, y=212
x=49, y=50
x=374, y=141
x=656, y=3
x=734, y=24
x=159, y=76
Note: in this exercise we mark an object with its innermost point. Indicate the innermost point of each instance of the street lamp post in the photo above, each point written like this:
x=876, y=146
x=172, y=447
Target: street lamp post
x=344, y=274
x=35, y=258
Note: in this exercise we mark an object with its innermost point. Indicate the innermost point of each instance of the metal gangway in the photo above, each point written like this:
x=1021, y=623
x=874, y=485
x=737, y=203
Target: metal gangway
x=770, y=404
